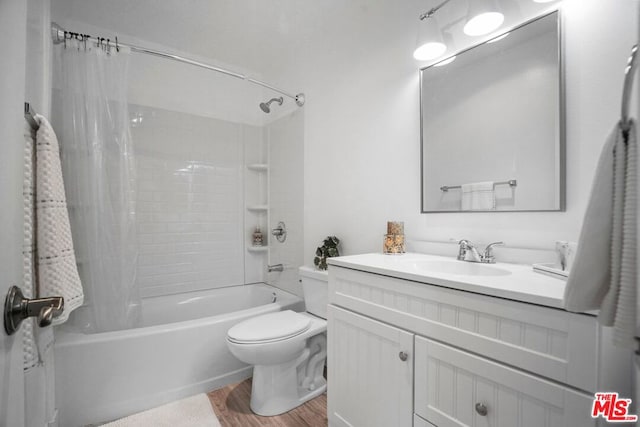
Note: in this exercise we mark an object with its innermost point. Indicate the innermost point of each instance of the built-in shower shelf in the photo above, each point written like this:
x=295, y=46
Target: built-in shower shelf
x=259, y=167
x=258, y=248
x=258, y=208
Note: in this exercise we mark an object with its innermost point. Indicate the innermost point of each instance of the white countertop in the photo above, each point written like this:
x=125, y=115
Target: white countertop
x=521, y=283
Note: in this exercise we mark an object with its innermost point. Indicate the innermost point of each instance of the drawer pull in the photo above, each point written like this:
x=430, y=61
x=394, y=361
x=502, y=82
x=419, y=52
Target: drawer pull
x=403, y=356
x=481, y=409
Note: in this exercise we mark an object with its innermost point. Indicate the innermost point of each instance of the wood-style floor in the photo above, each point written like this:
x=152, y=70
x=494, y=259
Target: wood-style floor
x=231, y=405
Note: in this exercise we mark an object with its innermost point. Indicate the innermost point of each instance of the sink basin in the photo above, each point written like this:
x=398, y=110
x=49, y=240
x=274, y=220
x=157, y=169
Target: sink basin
x=461, y=268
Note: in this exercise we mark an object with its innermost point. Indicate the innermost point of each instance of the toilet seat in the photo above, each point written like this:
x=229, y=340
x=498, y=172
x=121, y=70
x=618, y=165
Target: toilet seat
x=270, y=327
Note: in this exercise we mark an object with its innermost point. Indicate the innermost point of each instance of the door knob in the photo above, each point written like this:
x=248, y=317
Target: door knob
x=17, y=308
x=403, y=356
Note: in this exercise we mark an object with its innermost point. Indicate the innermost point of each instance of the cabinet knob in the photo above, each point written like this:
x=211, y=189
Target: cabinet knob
x=481, y=409
x=403, y=356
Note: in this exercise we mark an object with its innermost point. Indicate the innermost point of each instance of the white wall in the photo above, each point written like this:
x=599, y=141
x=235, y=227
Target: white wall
x=362, y=123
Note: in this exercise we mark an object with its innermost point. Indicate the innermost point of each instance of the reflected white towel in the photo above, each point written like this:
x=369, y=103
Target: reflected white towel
x=604, y=271
x=57, y=273
x=478, y=196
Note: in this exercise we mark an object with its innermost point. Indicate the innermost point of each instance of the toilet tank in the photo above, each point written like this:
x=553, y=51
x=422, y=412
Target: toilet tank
x=315, y=285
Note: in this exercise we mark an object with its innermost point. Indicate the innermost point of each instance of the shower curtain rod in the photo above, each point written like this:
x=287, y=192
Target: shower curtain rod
x=60, y=35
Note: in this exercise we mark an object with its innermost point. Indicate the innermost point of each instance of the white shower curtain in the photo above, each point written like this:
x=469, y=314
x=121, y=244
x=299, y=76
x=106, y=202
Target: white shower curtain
x=90, y=115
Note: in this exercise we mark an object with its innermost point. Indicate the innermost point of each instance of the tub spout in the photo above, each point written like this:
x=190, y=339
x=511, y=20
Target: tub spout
x=275, y=267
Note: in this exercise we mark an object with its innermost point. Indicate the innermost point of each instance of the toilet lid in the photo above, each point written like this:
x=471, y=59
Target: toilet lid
x=269, y=327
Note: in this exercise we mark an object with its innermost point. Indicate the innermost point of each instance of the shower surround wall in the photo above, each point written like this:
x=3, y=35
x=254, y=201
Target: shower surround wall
x=285, y=138
x=190, y=205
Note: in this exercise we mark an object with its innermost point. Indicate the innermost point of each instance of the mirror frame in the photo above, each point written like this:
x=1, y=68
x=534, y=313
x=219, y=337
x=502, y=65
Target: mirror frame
x=561, y=120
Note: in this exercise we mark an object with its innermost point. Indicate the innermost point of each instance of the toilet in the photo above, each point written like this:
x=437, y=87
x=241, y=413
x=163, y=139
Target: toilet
x=288, y=350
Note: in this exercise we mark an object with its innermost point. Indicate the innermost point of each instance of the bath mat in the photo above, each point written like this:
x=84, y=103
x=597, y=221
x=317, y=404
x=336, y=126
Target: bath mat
x=195, y=411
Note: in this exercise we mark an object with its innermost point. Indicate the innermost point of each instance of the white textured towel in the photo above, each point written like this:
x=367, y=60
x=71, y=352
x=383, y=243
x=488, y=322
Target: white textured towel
x=478, y=196
x=195, y=411
x=57, y=273
x=30, y=348
x=604, y=272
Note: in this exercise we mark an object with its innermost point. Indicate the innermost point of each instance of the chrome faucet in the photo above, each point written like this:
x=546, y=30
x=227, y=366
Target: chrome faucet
x=466, y=248
x=487, y=256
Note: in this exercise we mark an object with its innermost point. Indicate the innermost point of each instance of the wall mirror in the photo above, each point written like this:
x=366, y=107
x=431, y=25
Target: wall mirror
x=492, y=125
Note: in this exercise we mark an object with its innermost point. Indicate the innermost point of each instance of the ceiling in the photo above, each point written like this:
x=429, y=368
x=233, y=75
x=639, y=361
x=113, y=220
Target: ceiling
x=252, y=34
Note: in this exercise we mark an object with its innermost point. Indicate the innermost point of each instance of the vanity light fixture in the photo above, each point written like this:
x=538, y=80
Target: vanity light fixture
x=483, y=17
x=430, y=44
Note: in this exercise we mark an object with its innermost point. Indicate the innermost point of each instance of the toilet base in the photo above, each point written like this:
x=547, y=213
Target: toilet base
x=277, y=389
x=269, y=403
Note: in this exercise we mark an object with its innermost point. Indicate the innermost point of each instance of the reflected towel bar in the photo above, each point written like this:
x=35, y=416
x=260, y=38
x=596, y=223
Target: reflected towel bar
x=629, y=72
x=511, y=182
x=29, y=116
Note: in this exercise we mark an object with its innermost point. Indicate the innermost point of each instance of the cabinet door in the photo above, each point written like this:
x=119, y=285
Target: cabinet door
x=454, y=389
x=370, y=368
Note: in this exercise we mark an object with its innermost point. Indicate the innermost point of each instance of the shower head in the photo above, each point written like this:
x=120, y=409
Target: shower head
x=264, y=106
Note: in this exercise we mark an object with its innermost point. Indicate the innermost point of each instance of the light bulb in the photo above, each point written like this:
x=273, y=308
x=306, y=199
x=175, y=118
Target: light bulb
x=429, y=50
x=483, y=23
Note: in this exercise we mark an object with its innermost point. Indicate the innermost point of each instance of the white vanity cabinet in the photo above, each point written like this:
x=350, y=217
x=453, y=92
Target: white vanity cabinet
x=471, y=359
x=457, y=388
x=370, y=363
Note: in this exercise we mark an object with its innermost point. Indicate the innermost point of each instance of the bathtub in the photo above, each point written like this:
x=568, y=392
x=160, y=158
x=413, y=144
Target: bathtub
x=179, y=350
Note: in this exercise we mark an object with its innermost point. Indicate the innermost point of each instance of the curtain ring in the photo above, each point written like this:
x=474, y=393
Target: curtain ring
x=108, y=47
x=117, y=47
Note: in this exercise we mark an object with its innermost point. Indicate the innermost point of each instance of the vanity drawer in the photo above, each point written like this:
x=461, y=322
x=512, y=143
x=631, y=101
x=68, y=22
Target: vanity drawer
x=456, y=388
x=549, y=342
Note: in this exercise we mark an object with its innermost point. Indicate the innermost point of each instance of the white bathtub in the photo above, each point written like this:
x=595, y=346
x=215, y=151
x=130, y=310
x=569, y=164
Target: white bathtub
x=180, y=350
